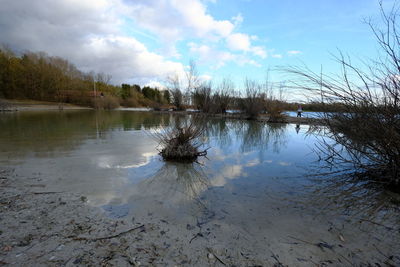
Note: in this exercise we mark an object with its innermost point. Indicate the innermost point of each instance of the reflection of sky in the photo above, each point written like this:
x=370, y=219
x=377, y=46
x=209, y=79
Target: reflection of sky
x=250, y=184
x=112, y=169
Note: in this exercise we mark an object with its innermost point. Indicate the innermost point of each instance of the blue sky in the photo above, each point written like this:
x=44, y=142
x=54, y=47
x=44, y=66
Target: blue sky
x=146, y=41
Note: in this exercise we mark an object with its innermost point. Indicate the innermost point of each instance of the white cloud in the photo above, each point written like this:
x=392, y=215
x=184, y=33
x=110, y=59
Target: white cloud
x=93, y=35
x=173, y=20
x=294, y=52
x=238, y=41
x=88, y=33
x=259, y=51
x=205, y=77
x=241, y=42
x=156, y=84
x=218, y=58
x=207, y=54
x=237, y=20
x=276, y=56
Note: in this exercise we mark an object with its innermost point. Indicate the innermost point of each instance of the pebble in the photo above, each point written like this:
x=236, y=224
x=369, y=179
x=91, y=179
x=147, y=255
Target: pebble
x=210, y=256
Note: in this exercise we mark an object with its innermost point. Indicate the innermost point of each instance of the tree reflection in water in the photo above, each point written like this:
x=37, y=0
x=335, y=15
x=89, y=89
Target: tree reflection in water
x=176, y=182
x=252, y=135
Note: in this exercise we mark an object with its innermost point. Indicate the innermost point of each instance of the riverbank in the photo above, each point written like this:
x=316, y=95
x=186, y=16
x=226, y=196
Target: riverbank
x=33, y=105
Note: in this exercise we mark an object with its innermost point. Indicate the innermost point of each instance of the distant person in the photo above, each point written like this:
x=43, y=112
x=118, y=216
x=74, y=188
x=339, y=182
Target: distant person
x=299, y=111
x=101, y=94
x=297, y=128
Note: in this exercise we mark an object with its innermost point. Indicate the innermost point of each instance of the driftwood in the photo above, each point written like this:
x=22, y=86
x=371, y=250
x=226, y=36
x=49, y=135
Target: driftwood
x=79, y=238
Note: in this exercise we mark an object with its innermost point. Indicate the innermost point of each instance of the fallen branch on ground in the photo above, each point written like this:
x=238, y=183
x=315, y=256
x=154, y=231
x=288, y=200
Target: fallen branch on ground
x=105, y=237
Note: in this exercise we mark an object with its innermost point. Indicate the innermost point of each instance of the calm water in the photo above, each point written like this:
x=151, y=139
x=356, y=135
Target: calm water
x=255, y=179
x=107, y=155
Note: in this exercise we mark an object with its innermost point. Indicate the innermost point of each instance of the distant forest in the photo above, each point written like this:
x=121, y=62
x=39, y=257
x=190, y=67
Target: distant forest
x=41, y=77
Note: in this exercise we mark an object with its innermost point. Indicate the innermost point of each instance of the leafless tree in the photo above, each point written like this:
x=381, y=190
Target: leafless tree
x=182, y=88
x=252, y=104
x=202, y=97
x=192, y=77
x=273, y=100
x=174, y=86
x=223, y=96
x=366, y=135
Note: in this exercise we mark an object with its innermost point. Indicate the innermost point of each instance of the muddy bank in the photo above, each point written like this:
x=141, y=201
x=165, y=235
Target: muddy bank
x=42, y=227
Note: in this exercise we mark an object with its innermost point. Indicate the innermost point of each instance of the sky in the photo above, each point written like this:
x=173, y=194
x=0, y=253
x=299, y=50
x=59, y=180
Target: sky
x=147, y=41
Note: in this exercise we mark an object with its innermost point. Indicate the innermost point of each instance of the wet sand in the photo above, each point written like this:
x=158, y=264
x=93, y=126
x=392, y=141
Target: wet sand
x=43, y=227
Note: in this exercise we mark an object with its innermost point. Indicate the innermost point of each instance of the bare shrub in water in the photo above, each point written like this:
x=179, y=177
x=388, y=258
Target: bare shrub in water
x=366, y=133
x=181, y=143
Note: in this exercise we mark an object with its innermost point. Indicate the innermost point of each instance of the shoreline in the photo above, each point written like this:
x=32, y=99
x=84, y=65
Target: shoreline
x=30, y=105
x=45, y=227
x=27, y=105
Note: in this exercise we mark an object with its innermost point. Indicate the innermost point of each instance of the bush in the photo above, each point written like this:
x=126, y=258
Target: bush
x=274, y=109
x=181, y=143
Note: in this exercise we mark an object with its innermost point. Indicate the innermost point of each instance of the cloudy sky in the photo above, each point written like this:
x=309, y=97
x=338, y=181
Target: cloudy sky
x=143, y=41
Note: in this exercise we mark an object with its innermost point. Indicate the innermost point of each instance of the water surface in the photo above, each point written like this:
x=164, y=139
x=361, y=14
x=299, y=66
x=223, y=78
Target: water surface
x=254, y=185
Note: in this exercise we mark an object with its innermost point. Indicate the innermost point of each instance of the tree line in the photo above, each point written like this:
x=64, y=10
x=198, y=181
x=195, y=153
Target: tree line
x=38, y=76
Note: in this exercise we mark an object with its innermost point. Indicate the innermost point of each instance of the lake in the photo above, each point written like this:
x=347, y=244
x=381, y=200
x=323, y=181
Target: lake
x=256, y=193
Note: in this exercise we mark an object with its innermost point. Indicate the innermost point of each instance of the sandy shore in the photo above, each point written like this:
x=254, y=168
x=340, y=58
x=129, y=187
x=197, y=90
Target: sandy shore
x=44, y=228
x=41, y=227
